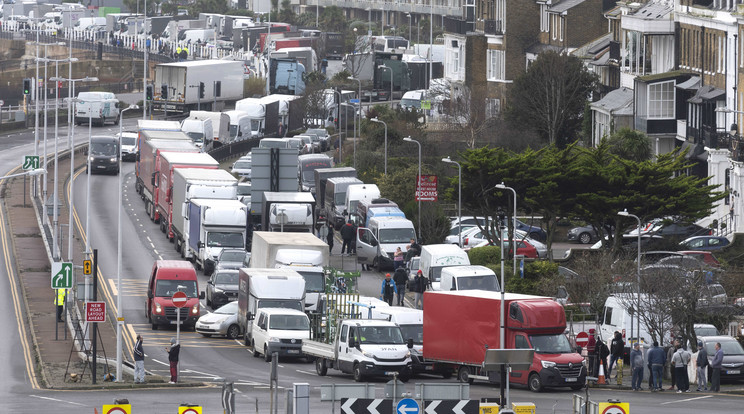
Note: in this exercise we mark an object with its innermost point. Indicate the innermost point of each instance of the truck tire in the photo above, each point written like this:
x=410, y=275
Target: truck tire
x=320, y=367
x=463, y=374
x=358, y=377
x=535, y=383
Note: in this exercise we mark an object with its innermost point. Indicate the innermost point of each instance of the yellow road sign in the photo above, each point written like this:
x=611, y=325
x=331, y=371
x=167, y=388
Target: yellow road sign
x=117, y=409
x=190, y=410
x=87, y=267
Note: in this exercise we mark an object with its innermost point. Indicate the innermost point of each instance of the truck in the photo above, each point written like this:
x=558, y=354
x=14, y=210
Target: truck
x=286, y=76
x=376, y=207
x=374, y=69
x=267, y=288
x=460, y=339
x=363, y=348
x=191, y=183
x=297, y=208
x=177, y=85
x=240, y=125
x=213, y=225
x=334, y=208
x=376, y=244
x=355, y=193
x=264, y=116
x=291, y=111
x=435, y=257
x=168, y=162
x=308, y=164
x=148, y=129
x=321, y=178
x=200, y=130
x=272, y=169
x=332, y=45
x=304, y=55
x=302, y=252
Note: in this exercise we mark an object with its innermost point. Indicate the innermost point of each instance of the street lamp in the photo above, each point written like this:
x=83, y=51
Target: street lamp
x=119, y=313
x=459, y=197
x=383, y=123
x=391, y=81
x=514, y=217
x=357, y=126
x=418, y=179
x=30, y=173
x=369, y=21
x=409, y=28
x=625, y=213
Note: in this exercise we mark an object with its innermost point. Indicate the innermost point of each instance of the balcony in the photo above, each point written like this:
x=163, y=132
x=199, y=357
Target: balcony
x=457, y=26
x=733, y=143
x=489, y=27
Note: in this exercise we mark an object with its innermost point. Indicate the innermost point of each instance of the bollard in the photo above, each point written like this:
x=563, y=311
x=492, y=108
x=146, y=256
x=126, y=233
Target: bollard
x=619, y=371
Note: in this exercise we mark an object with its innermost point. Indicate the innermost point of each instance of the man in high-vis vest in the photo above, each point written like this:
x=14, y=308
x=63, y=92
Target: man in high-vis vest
x=59, y=300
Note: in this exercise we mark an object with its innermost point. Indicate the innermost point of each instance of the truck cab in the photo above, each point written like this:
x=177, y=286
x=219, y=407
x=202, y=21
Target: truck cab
x=335, y=198
x=435, y=257
x=356, y=192
x=376, y=244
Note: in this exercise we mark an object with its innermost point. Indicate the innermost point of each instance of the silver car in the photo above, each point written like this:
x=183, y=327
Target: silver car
x=222, y=322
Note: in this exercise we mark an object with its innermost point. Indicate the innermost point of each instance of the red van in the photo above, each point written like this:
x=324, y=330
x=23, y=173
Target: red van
x=168, y=277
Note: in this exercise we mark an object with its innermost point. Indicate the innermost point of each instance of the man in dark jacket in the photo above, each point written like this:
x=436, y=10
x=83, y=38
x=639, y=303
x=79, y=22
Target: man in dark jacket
x=412, y=250
x=617, y=347
x=400, y=278
x=347, y=235
x=139, y=361
x=656, y=358
x=702, y=367
x=388, y=290
x=602, y=353
x=420, y=283
x=173, y=352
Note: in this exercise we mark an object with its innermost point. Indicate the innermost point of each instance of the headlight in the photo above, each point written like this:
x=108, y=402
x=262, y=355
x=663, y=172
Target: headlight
x=547, y=364
x=408, y=354
x=218, y=290
x=158, y=309
x=92, y=159
x=195, y=309
x=368, y=354
x=273, y=339
x=112, y=159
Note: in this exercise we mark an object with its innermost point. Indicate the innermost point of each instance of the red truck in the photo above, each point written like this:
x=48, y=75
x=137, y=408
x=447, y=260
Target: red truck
x=460, y=325
x=167, y=162
x=280, y=44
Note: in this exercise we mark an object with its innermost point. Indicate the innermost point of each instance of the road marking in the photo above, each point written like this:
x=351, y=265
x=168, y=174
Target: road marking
x=685, y=400
x=148, y=239
x=56, y=400
x=305, y=372
x=114, y=290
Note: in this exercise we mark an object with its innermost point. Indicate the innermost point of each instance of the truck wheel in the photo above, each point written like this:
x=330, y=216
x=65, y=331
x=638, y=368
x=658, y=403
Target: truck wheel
x=233, y=331
x=177, y=245
x=320, y=367
x=535, y=383
x=162, y=226
x=463, y=374
x=358, y=377
x=267, y=355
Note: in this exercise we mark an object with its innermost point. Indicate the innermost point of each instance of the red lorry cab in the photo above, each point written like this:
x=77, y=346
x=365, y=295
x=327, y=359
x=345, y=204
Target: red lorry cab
x=168, y=277
x=460, y=325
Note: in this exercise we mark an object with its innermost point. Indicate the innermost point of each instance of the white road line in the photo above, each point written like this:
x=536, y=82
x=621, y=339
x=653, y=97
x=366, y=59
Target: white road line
x=161, y=363
x=148, y=239
x=156, y=252
x=57, y=400
x=685, y=400
x=237, y=342
x=305, y=372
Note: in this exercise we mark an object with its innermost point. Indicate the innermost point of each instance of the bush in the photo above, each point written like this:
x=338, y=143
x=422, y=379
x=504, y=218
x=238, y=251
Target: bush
x=486, y=255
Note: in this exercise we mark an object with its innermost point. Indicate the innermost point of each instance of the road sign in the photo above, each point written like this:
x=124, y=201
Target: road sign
x=117, y=409
x=61, y=275
x=614, y=408
x=426, y=189
x=364, y=406
x=87, y=267
x=354, y=101
x=30, y=162
x=452, y=406
x=95, y=311
x=582, y=339
x=407, y=406
x=179, y=299
x=193, y=409
x=425, y=104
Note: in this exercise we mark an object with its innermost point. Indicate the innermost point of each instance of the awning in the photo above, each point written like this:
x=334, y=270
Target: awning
x=690, y=84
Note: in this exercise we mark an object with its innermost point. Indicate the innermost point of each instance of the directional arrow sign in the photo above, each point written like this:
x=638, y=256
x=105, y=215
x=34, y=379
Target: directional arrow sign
x=364, y=406
x=61, y=275
x=30, y=162
x=452, y=407
x=407, y=406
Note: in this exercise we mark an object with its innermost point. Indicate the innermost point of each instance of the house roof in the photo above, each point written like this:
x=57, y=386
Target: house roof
x=654, y=10
x=707, y=93
x=593, y=48
x=661, y=76
x=618, y=102
x=614, y=12
x=691, y=84
x=538, y=48
x=564, y=5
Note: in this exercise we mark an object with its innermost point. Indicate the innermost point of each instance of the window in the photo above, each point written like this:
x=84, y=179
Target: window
x=601, y=125
x=493, y=107
x=544, y=22
x=520, y=342
x=496, y=65
x=661, y=100
x=608, y=316
x=553, y=24
x=344, y=329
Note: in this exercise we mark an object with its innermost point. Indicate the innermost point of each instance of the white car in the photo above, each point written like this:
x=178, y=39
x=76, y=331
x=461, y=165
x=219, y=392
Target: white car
x=453, y=236
x=221, y=322
x=242, y=167
x=474, y=238
x=279, y=330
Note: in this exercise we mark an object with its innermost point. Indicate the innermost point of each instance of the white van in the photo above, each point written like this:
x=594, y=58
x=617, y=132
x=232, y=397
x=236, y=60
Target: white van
x=356, y=192
x=435, y=257
x=197, y=36
x=469, y=278
x=240, y=125
x=273, y=143
x=617, y=316
x=84, y=22
x=279, y=330
x=376, y=244
x=98, y=107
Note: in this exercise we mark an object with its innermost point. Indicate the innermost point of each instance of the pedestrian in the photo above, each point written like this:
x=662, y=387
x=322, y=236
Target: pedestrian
x=670, y=354
x=636, y=367
x=716, y=364
x=686, y=357
x=178, y=53
x=59, y=300
x=347, y=235
x=139, y=361
x=656, y=358
x=400, y=278
x=173, y=352
x=388, y=290
x=591, y=345
x=329, y=237
x=617, y=347
x=702, y=367
x=412, y=250
x=420, y=283
x=680, y=370
x=602, y=352
x=397, y=258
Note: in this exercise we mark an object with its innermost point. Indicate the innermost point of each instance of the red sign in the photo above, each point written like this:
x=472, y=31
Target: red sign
x=426, y=188
x=179, y=299
x=95, y=311
x=582, y=339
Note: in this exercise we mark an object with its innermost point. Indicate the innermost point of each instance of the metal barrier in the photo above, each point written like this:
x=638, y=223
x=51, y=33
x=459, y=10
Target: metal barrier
x=578, y=406
x=225, y=152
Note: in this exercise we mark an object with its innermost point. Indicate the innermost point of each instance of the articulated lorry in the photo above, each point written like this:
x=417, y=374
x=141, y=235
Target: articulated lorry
x=459, y=339
x=168, y=162
x=272, y=169
x=220, y=127
x=264, y=116
x=212, y=226
x=178, y=85
x=302, y=252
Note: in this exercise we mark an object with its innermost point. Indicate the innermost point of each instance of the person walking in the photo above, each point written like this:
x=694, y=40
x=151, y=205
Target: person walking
x=329, y=237
x=59, y=301
x=656, y=358
x=419, y=284
x=173, y=352
x=400, y=278
x=702, y=367
x=388, y=290
x=716, y=364
x=678, y=362
x=670, y=354
x=636, y=367
x=347, y=235
x=617, y=346
x=398, y=258
x=139, y=361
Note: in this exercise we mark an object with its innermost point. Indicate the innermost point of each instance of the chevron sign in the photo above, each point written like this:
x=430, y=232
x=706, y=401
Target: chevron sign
x=451, y=407
x=365, y=406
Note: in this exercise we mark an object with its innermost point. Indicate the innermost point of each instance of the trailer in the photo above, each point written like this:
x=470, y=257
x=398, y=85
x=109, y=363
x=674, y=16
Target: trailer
x=179, y=85
x=373, y=69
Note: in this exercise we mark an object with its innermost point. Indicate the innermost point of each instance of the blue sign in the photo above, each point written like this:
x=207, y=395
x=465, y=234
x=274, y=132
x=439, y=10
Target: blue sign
x=407, y=406
x=353, y=100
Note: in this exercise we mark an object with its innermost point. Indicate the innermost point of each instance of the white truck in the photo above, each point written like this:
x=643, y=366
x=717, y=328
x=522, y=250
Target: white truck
x=200, y=130
x=469, y=277
x=212, y=226
x=435, y=257
x=267, y=288
x=178, y=85
x=271, y=173
x=240, y=125
x=255, y=110
x=376, y=244
x=363, y=348
x=191, y=183
x=302, y=252
x=356, y=192
x=220, y=126
x=288, y=212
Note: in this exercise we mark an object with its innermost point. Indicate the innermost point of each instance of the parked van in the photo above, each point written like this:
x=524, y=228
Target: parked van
x=412, y=99
x=84, y=22
x=376, y=243
x=469, y=278
x=435, y=257
x=617, y=316
x=96, y=107
x=279, y=330
x=240, y=125
x=197, y=36
x=356, y=192
x=104, y=154
x=166, y=278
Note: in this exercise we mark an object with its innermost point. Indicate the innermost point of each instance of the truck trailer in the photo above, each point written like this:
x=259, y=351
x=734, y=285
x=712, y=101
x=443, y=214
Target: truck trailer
x=179, y=85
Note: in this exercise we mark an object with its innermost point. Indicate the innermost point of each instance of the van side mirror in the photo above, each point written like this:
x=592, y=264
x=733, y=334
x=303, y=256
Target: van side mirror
x=352, y=343
x=249, y=316
x=201, y=245
x=149, y=294
x=201, y=295
x=410, y=343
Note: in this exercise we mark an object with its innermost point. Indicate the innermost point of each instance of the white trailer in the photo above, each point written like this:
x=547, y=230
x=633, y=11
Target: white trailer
x=181, y=81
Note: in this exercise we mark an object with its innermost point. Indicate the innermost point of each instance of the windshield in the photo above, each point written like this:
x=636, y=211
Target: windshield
x=242, y=165
x=340, y=198
x=224, y=240
x=255, y=125
x=551, y=344
x=293, y=143
x=456, y=230
x=196, y=136
x=244, y=190
x=128, y=141
x=233, y=131
x=289, y=322
x=380, y=335
x=396, y=235
x=308, y=176
x=411, y=103
x=232, y=256
x=706, y=331
x=106, y=149
x=314, y=281
x=728, y=347
x=272, y=144
x=280, y=303
x=230, y=278
x=415, y=332
x=484, y=282
x=229, y=309
x=165, y=288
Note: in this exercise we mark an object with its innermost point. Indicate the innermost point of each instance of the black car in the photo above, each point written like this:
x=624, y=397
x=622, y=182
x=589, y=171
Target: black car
x=104, y=155
x=733, y=356
x=222, y=288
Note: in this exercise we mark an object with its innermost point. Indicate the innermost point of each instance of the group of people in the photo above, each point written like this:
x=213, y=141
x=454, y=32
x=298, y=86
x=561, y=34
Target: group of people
x=139, y=360
x=395, y=288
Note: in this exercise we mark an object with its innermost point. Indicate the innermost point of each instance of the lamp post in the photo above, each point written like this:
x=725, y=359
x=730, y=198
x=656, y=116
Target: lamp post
x=338, y=116
x=119, y=313
x=369, y=22
x=357, y=126
x=391, y=82
x=383, y=123
x=418, y=178
x=431, y=43
x=625, y=213
x=514, y=222
x=144, y=85
x=317, y=12
x=30, y=173
x=459, y=196
x=409, y=27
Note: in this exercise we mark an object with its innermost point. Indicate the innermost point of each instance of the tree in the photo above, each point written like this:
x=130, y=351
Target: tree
x=630, y=144
x=332, y=19
x=550, y=97
x=286, y=14
x=208, y=6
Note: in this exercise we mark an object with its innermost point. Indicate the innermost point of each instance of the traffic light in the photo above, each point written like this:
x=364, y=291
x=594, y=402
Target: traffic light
x=201, y=90
x=148, y=93
x=218, y=88
x=164, y=92
x=27, y=86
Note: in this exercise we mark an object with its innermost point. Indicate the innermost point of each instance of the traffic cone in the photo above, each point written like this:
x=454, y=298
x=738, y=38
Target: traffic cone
x=601, y=377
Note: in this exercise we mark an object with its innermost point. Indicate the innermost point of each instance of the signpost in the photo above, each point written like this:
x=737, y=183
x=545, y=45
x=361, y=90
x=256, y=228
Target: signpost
x=179, y=301
x=62, y=275
x=95, y=311
x=87, y=267
x=582, y=339
x=30, y=162
x=426, y=188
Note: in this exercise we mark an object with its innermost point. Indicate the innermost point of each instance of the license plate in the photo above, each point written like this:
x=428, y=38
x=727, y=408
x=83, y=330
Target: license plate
x=734, y=372
x=293, y=351
x=100, y=166
x=571, y=379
